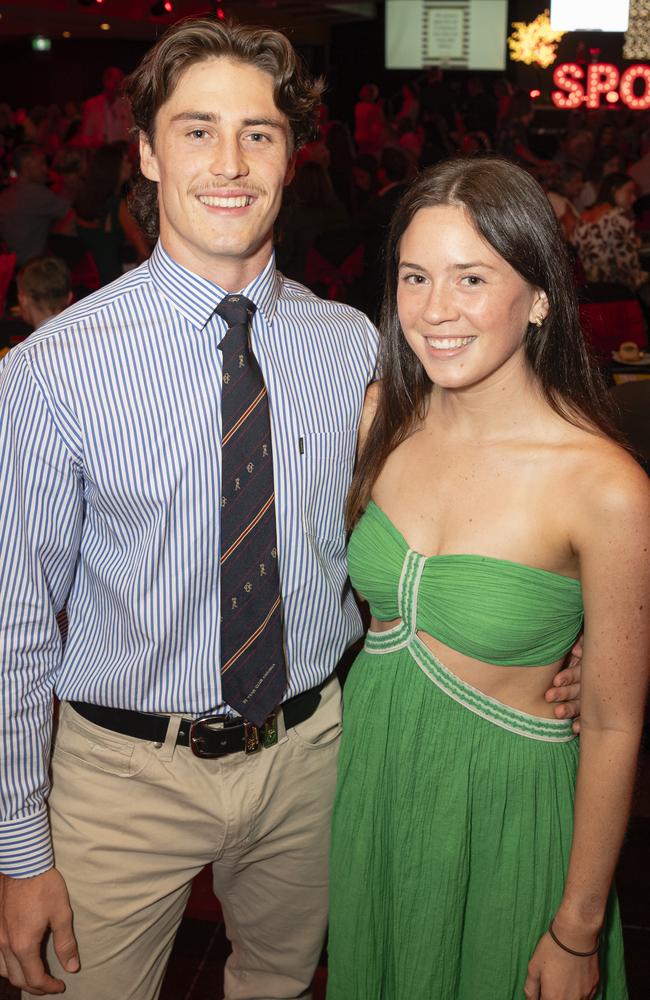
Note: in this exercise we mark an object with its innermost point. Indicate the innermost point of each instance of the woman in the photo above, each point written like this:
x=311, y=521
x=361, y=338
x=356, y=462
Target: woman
x=490, y=505
x=606, y=237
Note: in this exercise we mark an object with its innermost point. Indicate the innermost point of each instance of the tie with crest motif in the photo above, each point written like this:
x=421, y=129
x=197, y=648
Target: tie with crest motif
x=253, y=669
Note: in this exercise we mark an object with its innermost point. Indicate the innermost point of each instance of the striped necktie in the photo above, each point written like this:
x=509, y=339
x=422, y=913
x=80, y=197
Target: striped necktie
x=253, y=669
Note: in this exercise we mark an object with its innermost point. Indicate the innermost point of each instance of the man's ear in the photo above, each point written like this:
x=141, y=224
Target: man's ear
x=148, y=161
x=291, y=170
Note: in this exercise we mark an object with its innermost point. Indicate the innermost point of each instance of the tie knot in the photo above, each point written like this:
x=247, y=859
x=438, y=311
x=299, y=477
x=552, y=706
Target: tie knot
x=237, y=310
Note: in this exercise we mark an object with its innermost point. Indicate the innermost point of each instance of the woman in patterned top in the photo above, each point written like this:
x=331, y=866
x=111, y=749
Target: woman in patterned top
x=606, y=238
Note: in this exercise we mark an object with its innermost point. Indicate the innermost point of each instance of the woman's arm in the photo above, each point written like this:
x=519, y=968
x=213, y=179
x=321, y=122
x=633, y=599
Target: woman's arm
x=370, y=405
x=612, y=539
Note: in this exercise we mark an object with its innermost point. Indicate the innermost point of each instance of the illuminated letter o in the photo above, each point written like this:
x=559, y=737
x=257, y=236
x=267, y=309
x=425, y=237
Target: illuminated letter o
x=637, y=72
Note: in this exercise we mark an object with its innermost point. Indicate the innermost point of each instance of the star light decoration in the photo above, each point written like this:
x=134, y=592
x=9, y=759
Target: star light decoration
x=535, y=42
x=637, y=36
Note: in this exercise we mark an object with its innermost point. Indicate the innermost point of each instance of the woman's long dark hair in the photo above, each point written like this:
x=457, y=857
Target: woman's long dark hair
x=512, y=213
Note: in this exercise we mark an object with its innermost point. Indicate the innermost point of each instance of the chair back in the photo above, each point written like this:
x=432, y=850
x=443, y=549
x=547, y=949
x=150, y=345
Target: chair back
x=607, y=325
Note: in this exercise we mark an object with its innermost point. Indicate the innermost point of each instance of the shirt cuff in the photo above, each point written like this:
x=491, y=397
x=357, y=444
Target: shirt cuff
x=26, y=846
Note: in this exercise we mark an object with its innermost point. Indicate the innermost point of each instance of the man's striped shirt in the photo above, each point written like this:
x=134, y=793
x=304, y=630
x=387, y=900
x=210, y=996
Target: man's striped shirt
x=110, y=494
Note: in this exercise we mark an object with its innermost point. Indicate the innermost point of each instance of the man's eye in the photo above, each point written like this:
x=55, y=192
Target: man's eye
x=258, y=137
x=198, y=133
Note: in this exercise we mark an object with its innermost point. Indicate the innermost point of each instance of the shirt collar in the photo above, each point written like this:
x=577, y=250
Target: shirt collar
x=197, y=298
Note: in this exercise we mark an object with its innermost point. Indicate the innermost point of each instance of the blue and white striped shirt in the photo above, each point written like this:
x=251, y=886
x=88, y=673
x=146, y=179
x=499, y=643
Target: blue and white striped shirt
x=110, y=498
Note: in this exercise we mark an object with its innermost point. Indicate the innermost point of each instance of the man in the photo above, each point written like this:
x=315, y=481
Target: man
x=28, y=207
x=107, y=117
x=120, y=498
x=43, y=290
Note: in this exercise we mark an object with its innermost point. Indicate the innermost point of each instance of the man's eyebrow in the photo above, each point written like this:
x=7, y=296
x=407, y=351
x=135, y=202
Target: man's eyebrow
x=268, y=122
x=196, y=116
x=212, y=118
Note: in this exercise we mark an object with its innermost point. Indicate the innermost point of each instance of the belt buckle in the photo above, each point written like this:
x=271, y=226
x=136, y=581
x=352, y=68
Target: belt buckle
x=266, y=735
x=255, y=737
x=196, y=740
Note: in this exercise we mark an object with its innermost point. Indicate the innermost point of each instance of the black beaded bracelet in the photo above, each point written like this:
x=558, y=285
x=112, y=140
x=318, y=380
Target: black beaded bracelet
x=571, y=951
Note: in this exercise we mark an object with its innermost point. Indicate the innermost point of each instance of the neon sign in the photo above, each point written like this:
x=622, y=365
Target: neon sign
x=600, y=79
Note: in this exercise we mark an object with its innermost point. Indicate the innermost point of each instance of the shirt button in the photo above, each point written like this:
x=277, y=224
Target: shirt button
x=157, y=746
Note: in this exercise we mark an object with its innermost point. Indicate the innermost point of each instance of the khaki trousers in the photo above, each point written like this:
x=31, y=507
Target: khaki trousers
x=133, y=822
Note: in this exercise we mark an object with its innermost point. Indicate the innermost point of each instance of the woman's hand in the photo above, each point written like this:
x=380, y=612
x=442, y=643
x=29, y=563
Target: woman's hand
x=554, y=974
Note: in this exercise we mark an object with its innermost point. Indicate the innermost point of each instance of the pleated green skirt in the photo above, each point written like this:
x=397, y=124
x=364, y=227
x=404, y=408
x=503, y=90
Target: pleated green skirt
x=451, y=838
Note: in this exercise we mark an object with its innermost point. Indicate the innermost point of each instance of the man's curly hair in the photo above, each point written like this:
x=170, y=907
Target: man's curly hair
x=193, y=40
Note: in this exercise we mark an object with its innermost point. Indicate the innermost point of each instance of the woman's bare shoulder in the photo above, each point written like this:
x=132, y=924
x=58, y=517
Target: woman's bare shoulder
x=607, y=484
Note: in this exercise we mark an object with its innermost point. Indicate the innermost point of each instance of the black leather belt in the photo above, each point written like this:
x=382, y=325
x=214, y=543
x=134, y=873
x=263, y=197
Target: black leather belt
x=209, y=736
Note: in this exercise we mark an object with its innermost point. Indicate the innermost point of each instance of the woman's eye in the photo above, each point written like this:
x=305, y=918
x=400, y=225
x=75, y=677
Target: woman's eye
x=472, y=280
x=413, y=279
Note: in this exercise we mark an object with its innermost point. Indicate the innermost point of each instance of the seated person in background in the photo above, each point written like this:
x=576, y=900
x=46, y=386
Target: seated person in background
x=43, y=290
x=640, y=173
x=312, y=209
x=396, y=168
x=561, y=191
x=606, y=238
x=102, y=218
x=411, y=137
x=68, y=169
x=28, y=208
x=605, y=161
x=369, y=121
x=513, y=137
x=366, y=180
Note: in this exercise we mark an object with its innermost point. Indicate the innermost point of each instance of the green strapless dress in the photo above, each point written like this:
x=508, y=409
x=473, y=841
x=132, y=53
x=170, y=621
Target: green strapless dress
x=454, y=812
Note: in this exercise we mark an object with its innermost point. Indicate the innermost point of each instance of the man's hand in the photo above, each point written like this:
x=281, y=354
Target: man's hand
x=29, y=908
x=566, y=688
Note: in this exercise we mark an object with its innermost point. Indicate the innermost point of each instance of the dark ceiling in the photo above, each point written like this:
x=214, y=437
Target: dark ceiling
x=132, y=19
